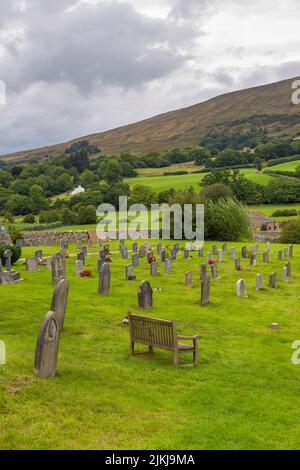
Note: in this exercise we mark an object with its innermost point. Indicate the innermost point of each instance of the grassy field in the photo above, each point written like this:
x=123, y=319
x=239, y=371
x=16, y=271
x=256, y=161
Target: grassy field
x=243, y=395
x=289, y=166
x=180, y=182
x=269, y=209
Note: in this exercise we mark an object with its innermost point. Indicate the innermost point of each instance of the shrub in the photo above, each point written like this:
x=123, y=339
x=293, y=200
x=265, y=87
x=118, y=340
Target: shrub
x=16, y=253
x=290, y=232
x=217, y=191
x=227, y=220
x=284, y=213
x=29, y=219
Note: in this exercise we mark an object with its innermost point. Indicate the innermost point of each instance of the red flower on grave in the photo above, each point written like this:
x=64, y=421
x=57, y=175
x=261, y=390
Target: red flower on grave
x=211, y=261
x=86, y=273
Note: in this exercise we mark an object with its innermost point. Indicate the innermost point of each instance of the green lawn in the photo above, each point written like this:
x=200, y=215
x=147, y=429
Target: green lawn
x=180, y=182
x=243, y=395
x=289, y=166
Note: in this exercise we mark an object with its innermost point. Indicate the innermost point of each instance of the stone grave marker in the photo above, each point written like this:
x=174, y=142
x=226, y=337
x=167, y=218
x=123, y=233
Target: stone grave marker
x=59, y=302
x=31, y=265
x=257, y=249
x=153, y=269
x=58, y=267
x=159, y=248
x=285, y=253
x=215, y=250
x=100, y=263
x=237, y=264
x=145, y=295
x=268, y=247
x=259, y=282
x=244, y=252
x=289, y=269
x=205, y=291
x=266, y=257
x=284, y=274
x=142, y=252
x=38, y=254
x=134, y=247
x=188, y=279
x=84, y=250
x=46, y=352
x=241, y=288
x=173, y=254
x=186, y=253
x=232, y=253
x=280, y=255
x=81, y=257
x=220, y=256
x=291, y=248
x=224, y=247
x=168, y=265
x=8, y=255
x=129, y=276
x=203, y=272
x=201, y=252
x=49, y=260
x=252, y=259
x=273, y=280
x=79, y=267
x=104, y=280
x=208, y=257
x=135, y=260
x=163, y=256
x=214, y=271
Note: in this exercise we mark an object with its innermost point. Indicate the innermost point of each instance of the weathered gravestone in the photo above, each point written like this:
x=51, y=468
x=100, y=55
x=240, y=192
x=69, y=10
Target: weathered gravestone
x=214, y=250
x=188, y=279
x=208, y=257
x=134, y=247
x=288, y=269
x=237, y=264
x=220, y=256
x=252, y=259
x=38, y=254
x=241, y=288
x=81, y=257
x=58, y=266
x=20, y=242
x=203, y=272
x=273, y=280
x=214, y=271
x=205, y=291
x=124, y=253
x=176, y=246
x=257, y=249
x=59, y=302
x=280, y=255
x=259, y=282
x=78, y=244
x=284, y=274
x=46, y=353
x=285, y=253
x=49, y=260
x=135, y=260
x=168, y=265
x=79, y=267
x=142, y=252
x=159, y=248
x=244, y=252
x=129, y=273
x=64, y=244
x=100, y=263
x=163, y=256
x=186, y=254
x=201, y=252
x=84, y=250
x=153, y=269
x=268, y=247
x=232, y=253
x=291, y=248
x=7, y=255
x=104, y=280
x=31, y=265
x=145, y=295
x=224, y=247
x=266, y=257
x=173, y=254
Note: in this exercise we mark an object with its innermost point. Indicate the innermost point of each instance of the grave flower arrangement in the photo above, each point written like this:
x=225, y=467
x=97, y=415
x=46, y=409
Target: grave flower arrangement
x=86, y=273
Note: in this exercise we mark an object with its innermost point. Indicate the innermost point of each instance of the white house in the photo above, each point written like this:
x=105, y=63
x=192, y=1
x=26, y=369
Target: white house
x=77, y=190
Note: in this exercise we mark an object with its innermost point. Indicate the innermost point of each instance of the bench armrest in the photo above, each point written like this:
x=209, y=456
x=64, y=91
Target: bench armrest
x=188, y=337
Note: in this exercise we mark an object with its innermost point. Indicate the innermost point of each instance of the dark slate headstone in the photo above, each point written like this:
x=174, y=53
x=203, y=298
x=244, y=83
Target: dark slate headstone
x=84, y=250
x=46, y=352
x=289, y=269
x=252, y=259
x=186, y=253
x=291, y=251
x=81, y=257
x=100, y=263
x=145, y=295
x=104, y=280
x=59, y=302
x=214, y=250
x=173, y=254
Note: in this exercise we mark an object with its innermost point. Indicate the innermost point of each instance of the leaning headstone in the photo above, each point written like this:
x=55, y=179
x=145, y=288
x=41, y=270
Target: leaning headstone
x=168, y=265
x=280, y=255
x=273, y=280
x=79, y=267
x=244, y=252
x=46, y=353
x=145, y=295
x=31, y=265
x=232, y=253
x=241, y=288
x=104, y=280
x=59, y=302
x=259, y=282
x=284, y=274
x=266, y=257
x=205, y=291
x=203, y=272
x=188, y=279
x=135, y=260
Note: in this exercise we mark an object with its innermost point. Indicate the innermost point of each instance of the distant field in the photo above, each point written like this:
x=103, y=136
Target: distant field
x=180, y=182
x=289, y=166
x=268, y=210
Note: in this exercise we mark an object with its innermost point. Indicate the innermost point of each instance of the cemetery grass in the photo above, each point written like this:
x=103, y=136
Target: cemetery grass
x=243, y=395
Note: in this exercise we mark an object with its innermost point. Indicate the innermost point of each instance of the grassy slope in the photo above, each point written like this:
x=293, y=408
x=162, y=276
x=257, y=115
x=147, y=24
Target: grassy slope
x=289, y=166
x=178, y=182
x=243, y=395
x=265, y=106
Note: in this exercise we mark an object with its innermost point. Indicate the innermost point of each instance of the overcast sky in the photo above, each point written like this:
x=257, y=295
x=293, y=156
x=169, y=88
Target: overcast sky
x=77, y=67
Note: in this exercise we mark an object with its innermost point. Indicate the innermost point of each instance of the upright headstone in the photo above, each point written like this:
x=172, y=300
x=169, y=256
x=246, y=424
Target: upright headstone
x=289, y=269
x=104, y=280
x=81, y=257
x=168, y=265
x=153, y=269
x=38, y=254
x=214, y=271
x=215, y=250
x=241, y=288
x=186, y=253
x=128, y=272
x=59, y=302
x=284, y=274
x=173, y=254
x=142, y=251
x=224, y=247
x=79, y=267
x=205, y=291
x=291, y=251
x=135, y=260
x=257, y=249
x=237, y=264
x=266, y=257
x=46, y=353
x=232, y=253
x=273, y=280
x=31, y=265
x=58, y=266
x=188, y=279
x=84, y=250
x=49, y=261
x=201, y=252
x=252, y=259
x=268, y=247
x=208, y=257
x=259, y=282
x=220, y=256
x=203, y=272
x=134, y=247
x=159, y=248
x=163, y=256
x=8, y=255
x=145, y=295
x=91, y=244
x=279, y=255
x=244, y=252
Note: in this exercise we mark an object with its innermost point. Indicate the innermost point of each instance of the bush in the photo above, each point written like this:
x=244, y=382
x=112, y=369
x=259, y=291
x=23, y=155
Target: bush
x=217, y=191
x=227, y=220
x=16, y=253
x=290, y=232
x=284, y=213
x=29, y=219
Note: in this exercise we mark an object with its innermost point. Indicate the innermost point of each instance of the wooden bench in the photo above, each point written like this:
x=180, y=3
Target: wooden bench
x=161, y=334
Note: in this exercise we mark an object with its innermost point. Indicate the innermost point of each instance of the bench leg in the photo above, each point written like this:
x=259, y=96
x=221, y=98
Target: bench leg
x=175, y=358
x=131, y=347
x=195, y=353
